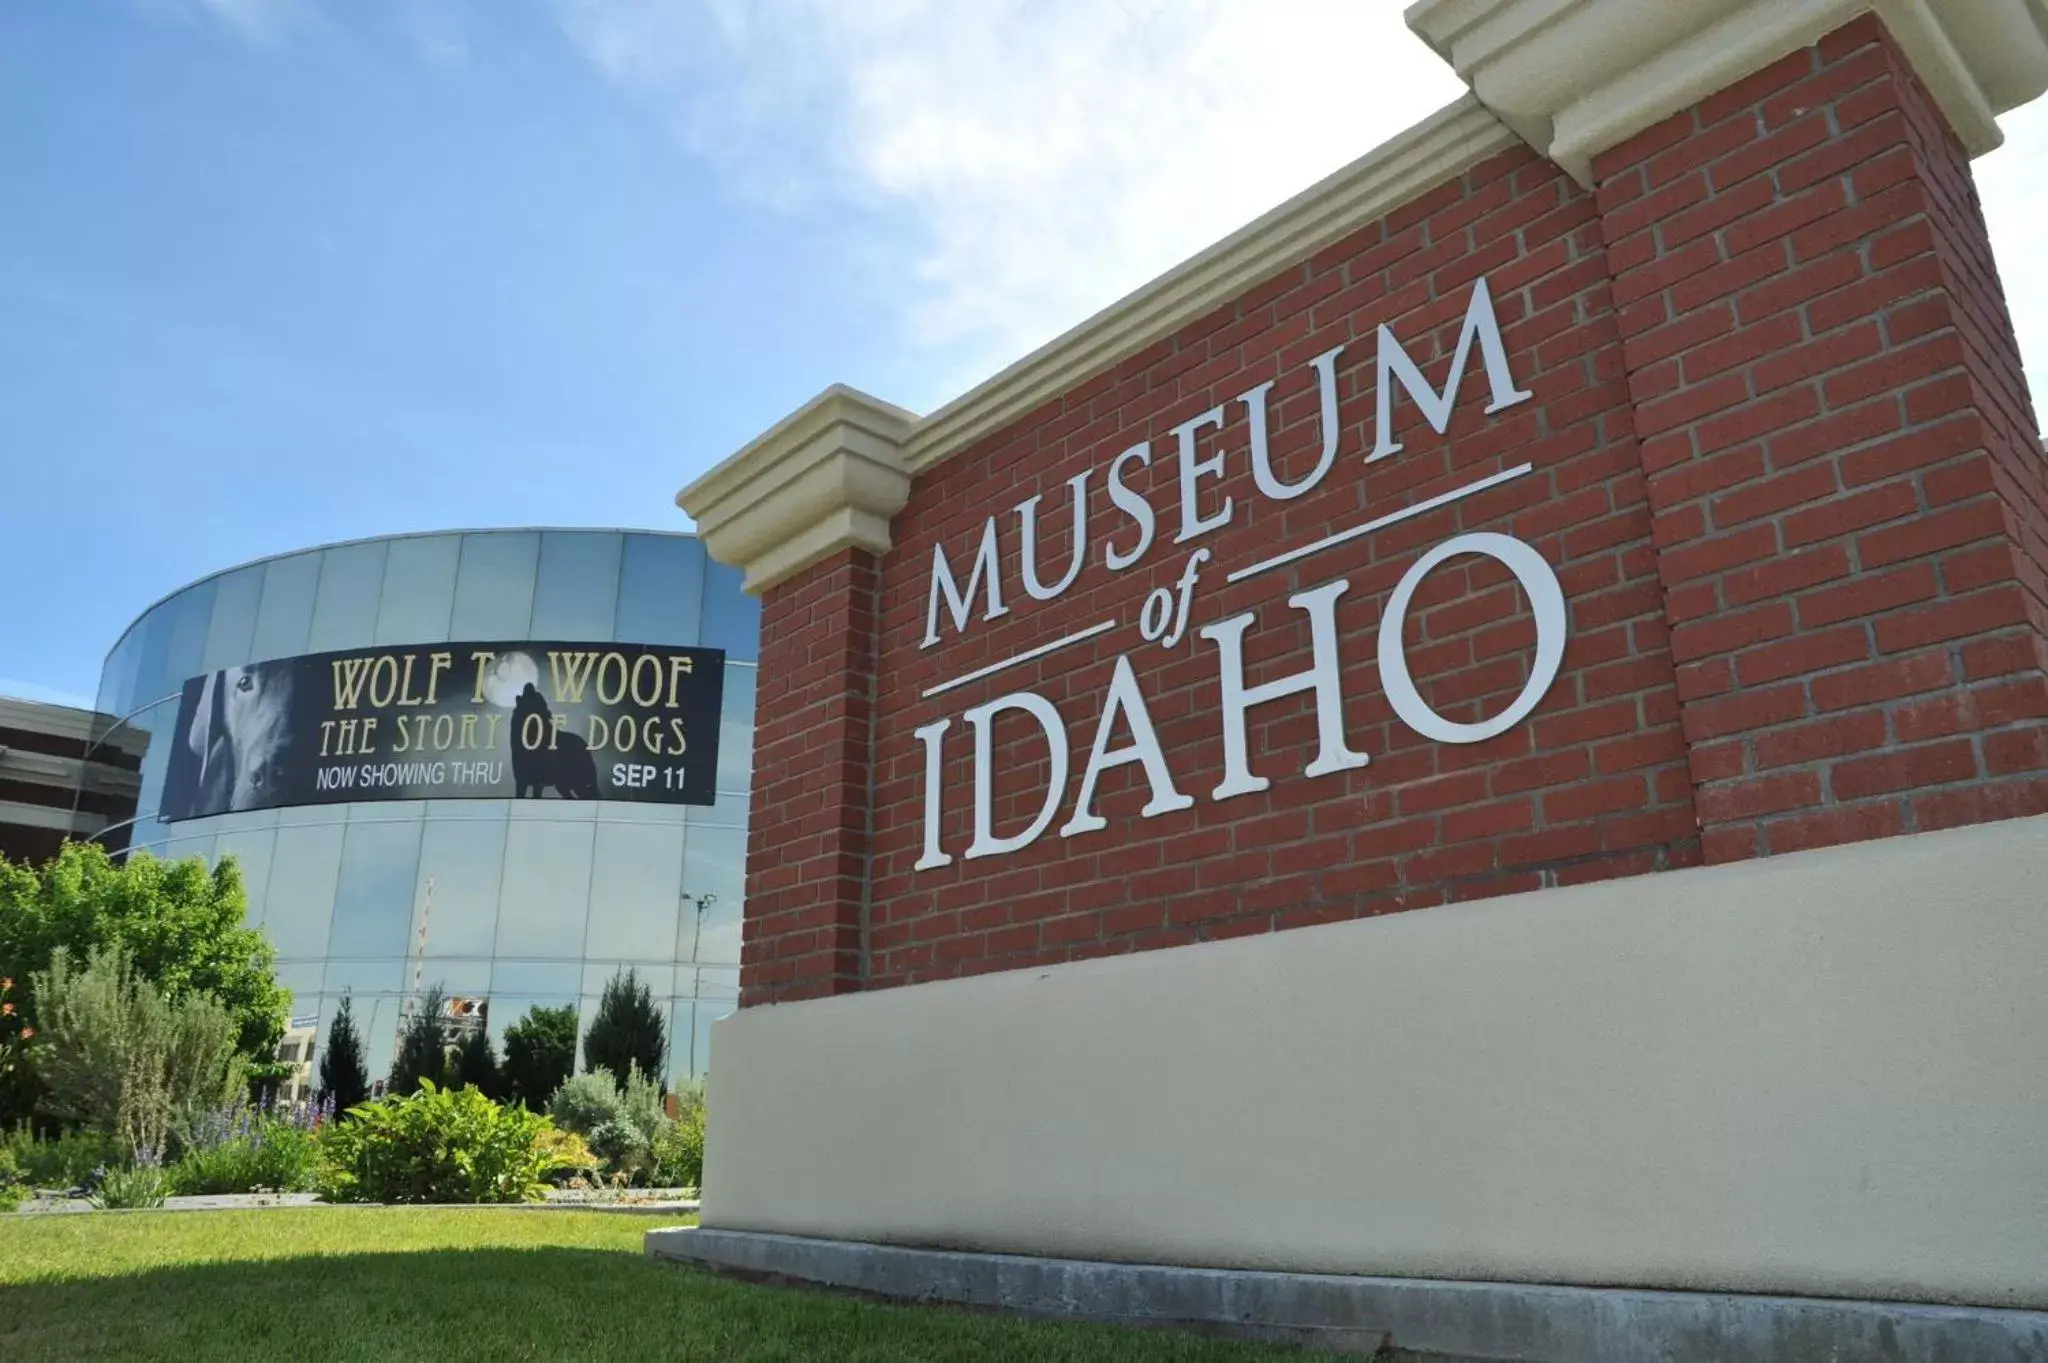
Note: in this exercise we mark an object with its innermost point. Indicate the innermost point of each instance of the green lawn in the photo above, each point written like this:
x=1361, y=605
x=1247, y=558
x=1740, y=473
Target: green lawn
x=459, y=1283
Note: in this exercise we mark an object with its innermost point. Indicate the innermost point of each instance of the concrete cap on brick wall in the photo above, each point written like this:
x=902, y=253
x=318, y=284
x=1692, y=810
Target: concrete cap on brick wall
x=825, y=478
x=1577, y=77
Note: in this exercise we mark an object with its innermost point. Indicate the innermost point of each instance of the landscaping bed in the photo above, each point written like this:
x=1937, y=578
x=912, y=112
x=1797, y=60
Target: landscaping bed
x=363, y=1283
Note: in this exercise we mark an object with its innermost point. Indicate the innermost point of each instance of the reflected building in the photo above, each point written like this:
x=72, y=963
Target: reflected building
x=519, y=902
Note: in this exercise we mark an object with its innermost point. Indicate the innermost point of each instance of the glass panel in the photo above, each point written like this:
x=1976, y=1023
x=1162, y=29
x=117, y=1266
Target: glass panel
x=159, y=721
x=507, y=1009
x=661, y=589
x=464, y=975
x=494, y=587
x=419, y=590
x=186, y=652
x=556, y=981
x=373, y=901
x=736, y=730
x=284, y=613
x=232, y=626
x=635, y=883
x=715, y=877
x=578, y=591
x=117, y=675
x=303, y=869
x=729, y=812
x=659, y=979
x=178, y=849
x=303, y=979
x=462, y=858
x=251, y=848
x=718, y=982
x=345, y=607
x=546, y=889
x=732, y=619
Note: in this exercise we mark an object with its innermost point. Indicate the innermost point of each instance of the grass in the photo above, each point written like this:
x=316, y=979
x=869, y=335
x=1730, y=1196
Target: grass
x=462, y=1283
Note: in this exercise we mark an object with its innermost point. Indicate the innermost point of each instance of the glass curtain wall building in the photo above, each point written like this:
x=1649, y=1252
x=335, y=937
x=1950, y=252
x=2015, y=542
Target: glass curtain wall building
x=523, y=902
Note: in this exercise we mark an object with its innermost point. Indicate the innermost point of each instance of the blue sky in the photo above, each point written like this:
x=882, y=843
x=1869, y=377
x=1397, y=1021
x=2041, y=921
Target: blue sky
x=278, y=272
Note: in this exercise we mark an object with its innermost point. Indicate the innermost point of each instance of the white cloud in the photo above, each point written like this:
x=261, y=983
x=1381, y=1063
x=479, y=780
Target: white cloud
x=2013, y=183
x=1051, y=155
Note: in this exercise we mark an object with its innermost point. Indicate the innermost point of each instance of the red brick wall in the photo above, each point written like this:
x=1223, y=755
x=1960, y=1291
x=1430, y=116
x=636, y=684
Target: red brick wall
x=1784, y=466
x=807, y=839
x=1842, y=458
x=1593, y=785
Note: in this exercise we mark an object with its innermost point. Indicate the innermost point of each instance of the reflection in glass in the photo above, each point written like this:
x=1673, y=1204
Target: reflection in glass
x=557, y=981
x=715, y=876
x=345, y=607
x=546, y=889
x=419, y=590
x=251, y=848
x=661, y=589
x=494, y=586
x=462, y=859
x=635, y=882
x=186, y=650
x=233, y=623
x=300, y=898
x=732, y=619
x=284, y=615
x=736, y=729
x=373, y=901
x=577, y=595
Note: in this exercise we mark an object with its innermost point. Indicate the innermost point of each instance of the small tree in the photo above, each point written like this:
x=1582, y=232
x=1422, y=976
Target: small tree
x=118, y=1057
x=476, y=1065
x=422, y=1045
x=344, y=1082
x=540, y=1052
x=627, y=1034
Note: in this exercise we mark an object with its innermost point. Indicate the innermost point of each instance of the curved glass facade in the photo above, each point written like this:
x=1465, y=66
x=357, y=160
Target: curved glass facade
x=521, y=901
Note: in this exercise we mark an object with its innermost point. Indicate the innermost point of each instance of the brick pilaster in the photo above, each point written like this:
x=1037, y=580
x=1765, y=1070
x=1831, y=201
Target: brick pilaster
x=1846, y=480
x=807, y=848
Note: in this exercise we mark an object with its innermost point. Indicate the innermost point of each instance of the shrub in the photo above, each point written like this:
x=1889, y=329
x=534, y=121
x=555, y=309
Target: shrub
x=115, y=1055
x=676, y=1155
x=13, y=1182
x=132, y=1187
x=247, y=1152
x=621, y=1145
x=568, y=1155
x=62, y=1161
x=640, y=1104
x=585, y=1102
x=476, y=1066
x=436, y=1146
x=540, y=1051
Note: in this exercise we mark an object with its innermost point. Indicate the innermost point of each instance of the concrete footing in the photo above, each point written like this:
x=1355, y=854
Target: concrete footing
x=1396, y=1317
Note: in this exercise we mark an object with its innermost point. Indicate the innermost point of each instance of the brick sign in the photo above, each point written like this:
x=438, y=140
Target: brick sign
x=1545, y=524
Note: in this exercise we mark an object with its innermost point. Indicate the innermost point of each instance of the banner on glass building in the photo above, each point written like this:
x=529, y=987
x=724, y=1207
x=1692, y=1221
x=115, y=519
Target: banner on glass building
x=450, y=721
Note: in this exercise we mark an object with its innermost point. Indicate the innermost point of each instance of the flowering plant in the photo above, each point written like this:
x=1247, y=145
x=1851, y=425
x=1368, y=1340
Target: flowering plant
x=15, y=1033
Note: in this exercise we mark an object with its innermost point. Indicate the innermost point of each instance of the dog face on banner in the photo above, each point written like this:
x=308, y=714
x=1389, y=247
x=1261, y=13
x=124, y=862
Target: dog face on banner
x=239, y=734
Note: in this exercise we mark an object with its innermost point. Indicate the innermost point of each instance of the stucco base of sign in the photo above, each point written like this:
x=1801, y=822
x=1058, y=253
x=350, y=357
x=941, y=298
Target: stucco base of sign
x=1387, y=1317
x=1823, y=1074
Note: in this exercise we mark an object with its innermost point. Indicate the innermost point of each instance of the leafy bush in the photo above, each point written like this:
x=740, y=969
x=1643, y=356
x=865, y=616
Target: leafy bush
x=248, y=1152
x=640, y=1104
x=585, y=1102
x=131, y=1188
x=568, y=1155
x=63, y=1161
x=436, y=1146
x=13, y=1183
x=676, y=1155
x=621, y=1145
